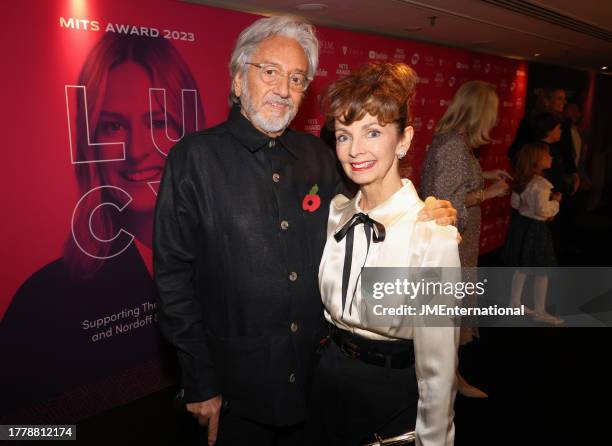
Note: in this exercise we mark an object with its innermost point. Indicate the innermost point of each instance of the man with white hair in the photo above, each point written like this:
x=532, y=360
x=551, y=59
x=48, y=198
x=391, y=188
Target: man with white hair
x=239, y=231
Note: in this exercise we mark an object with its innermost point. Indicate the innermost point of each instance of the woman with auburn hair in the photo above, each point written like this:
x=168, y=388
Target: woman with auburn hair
x=87, y=319
x=452, y=171
x=379, y=378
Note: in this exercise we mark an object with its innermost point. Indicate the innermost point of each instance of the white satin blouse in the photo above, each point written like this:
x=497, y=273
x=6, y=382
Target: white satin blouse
x=408, y=243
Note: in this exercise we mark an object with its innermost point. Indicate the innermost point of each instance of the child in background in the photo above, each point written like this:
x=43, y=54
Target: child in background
x=529, y=242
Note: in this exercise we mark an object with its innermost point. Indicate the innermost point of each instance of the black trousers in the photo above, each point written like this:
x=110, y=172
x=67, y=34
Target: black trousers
x=352, y=400
x=235, y=430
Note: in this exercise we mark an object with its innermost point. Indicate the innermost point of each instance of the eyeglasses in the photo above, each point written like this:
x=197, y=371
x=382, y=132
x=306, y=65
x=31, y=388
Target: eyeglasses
x=271, y=74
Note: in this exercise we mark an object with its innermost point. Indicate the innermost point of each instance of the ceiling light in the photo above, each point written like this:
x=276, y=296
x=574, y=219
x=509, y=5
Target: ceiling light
x=311, y=6
x=604, y=68
x=536, y=54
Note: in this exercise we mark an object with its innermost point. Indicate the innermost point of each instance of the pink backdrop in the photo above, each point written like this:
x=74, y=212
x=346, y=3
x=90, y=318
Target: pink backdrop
x=47, y=50
x=441, y=71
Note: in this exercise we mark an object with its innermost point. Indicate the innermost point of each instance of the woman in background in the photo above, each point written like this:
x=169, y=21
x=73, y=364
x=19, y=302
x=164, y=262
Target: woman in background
x=452, y=172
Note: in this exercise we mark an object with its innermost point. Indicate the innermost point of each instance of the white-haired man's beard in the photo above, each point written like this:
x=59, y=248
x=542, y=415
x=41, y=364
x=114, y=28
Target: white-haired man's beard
x=270, y=124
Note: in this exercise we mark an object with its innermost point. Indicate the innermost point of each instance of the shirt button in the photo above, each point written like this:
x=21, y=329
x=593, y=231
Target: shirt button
x=294, y=327
x=293, y=276
x=284, y=225
x=275, y=177
x=292, y=378
x=272, y=143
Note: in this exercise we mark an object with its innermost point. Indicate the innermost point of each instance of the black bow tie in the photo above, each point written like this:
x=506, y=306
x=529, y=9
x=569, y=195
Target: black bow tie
x=361, y=218
x=348, y=230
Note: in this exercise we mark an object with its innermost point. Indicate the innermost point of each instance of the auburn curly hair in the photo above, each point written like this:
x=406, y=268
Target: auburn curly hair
x=384, y=90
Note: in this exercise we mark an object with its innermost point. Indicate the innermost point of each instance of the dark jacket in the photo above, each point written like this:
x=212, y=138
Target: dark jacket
x=563, y=166
x=524, y=135
x=236, y=259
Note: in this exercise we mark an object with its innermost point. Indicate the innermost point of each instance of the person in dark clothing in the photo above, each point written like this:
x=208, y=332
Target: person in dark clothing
x=547, y=128
x=564, y=176
x=524, y=133
x=563, y=173
x=240, y=227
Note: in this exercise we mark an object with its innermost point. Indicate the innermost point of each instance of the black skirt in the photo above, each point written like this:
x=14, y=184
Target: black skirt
x=529, y=243
x=352, y=400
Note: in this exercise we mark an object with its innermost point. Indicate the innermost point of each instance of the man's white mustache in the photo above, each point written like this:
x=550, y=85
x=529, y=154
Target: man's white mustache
x=279, y=101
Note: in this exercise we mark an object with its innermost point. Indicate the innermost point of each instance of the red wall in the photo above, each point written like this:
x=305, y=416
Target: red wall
x=44, y=52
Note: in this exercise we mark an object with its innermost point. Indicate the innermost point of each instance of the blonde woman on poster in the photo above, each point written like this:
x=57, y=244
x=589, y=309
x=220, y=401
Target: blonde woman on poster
x=87, y=319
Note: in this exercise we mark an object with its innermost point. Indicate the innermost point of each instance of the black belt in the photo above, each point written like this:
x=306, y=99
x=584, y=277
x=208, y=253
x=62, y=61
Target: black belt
x=390, y=354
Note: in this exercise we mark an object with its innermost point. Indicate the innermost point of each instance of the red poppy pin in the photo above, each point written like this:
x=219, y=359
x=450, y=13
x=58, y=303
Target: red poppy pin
x=312, y=201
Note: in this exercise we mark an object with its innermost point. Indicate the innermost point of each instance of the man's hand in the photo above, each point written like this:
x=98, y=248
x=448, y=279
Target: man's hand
x=442, y=211
x=207, y=413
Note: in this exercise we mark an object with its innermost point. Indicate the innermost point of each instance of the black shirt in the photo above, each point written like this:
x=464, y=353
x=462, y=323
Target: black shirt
x=236, y=251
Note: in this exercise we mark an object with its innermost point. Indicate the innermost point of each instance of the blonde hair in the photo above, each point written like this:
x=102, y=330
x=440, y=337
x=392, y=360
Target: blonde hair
x=166, y=68
x=473, y=111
